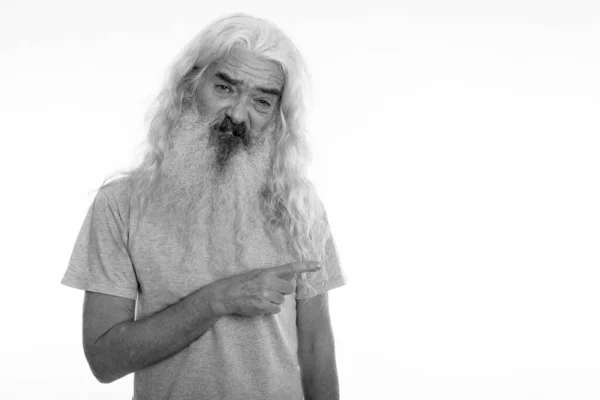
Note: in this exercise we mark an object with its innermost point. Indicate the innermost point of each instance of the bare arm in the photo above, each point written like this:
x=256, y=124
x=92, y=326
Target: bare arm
x=316, y=350
x=116, y=345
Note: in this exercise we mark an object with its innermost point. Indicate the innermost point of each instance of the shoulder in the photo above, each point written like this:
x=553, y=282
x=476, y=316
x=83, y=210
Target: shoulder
x=115, y=196
x=117, y=191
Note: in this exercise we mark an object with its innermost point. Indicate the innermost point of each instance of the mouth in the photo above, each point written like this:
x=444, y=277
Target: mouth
x=231, y=135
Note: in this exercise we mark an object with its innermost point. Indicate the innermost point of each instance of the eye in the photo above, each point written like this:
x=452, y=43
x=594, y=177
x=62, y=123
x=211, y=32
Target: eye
x=263, y=103
x=222, y=88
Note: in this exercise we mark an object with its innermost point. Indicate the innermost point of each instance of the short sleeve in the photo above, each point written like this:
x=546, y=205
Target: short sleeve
x=329, y=277
x=100, y=261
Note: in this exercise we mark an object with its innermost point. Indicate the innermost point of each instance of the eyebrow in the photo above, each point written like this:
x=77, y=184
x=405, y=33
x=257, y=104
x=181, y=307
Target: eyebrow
x=224, y=77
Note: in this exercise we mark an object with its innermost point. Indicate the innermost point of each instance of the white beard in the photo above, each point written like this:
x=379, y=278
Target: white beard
x=220, y=204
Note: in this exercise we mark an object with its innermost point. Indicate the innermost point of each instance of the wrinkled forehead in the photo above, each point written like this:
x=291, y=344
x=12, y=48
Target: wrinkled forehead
x=252, y=70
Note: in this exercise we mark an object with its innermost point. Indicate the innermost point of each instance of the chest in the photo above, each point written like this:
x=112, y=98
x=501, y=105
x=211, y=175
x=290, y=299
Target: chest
x=169, y=268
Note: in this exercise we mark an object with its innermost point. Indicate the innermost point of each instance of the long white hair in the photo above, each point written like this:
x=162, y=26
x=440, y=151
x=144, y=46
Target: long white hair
x=290, y=200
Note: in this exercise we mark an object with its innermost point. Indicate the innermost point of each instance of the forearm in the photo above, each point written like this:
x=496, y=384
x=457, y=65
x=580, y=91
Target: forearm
x=319, y=373
x=133, y=345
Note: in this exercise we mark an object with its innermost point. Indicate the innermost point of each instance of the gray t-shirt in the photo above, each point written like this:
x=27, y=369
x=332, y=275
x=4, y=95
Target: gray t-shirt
x=238, y=357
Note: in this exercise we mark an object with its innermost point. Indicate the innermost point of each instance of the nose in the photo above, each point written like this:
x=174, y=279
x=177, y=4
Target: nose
x=238, y=112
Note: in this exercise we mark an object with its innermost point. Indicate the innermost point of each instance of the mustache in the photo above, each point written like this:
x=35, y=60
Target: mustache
x=227, y=125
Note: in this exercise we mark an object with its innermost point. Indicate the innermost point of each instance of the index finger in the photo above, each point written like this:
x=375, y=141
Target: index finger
x=288, y=270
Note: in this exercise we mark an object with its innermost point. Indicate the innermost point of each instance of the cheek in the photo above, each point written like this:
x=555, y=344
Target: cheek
x=263, y=123
x=209, y=105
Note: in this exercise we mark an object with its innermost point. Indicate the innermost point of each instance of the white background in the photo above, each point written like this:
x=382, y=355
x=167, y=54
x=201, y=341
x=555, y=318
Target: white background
x=456, y=150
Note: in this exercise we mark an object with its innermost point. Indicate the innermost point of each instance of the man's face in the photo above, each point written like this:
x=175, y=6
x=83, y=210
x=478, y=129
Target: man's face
x=241, y=95
x=243, y=87
x=214, y=174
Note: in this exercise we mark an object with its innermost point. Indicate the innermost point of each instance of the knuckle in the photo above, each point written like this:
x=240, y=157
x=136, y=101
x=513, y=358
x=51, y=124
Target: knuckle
x=287, y=288
x=253, y=274
x=264, y=279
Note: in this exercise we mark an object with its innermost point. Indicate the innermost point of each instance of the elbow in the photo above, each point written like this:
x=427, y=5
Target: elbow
x=98, y=366
x=102, y=378
x=102, y=375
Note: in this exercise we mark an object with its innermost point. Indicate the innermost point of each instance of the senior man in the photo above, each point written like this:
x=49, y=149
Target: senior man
x=206, y=268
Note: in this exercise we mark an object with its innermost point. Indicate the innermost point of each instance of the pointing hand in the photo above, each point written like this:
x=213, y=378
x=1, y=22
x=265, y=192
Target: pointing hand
x=257, y=292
